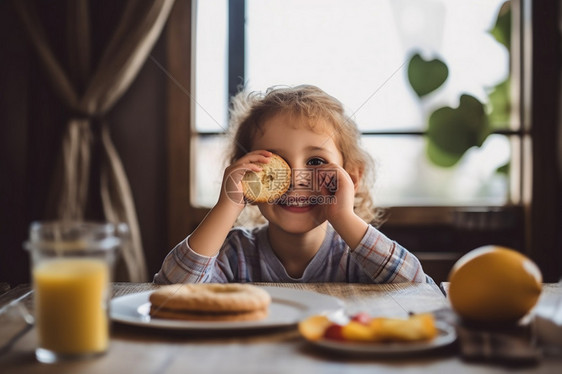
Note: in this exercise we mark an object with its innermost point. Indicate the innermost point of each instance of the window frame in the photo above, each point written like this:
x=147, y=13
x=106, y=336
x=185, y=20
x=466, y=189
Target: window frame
x=237, y=76
x=536, y=219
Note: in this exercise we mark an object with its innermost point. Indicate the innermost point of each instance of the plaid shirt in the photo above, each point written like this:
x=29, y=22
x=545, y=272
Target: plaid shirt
x=247, y=256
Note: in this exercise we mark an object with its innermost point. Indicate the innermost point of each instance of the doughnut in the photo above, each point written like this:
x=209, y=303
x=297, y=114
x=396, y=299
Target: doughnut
x=210, y=302
x=269, y=184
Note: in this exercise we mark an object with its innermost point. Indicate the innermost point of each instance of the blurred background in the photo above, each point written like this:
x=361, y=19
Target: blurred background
x=117, y=110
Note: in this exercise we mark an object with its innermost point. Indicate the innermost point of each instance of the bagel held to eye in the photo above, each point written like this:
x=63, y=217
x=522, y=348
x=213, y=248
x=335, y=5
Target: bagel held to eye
x=210, y=302
x=270, y=183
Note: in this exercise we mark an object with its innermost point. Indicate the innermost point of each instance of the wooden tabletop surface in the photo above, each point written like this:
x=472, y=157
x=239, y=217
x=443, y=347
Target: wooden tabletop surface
x=140, y=350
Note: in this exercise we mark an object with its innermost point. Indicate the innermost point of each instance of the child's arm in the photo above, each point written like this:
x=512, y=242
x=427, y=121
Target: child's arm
x=382, y=259
x=209, y=236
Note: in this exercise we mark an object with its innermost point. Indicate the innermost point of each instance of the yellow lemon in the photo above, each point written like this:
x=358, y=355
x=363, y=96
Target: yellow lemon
x=494, y=284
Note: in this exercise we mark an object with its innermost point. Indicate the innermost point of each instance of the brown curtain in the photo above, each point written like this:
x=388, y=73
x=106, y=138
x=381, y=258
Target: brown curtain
x=89, y=95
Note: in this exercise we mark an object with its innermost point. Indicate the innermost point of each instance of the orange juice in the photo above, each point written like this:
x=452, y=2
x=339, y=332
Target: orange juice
x=70, y=305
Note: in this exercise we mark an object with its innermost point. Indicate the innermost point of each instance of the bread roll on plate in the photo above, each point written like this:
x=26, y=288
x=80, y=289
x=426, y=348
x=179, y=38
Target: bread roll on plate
x=210, y=302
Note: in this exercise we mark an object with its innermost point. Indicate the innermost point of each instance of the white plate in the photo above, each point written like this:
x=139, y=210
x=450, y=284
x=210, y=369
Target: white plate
x=446, y=335
x=288, y=307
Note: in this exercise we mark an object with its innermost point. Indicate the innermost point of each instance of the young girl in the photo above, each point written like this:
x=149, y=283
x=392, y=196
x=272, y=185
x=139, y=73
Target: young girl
x=313, y=234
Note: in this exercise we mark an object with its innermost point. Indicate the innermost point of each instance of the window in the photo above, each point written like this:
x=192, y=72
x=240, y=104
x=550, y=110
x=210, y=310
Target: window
x=360, y=51
x=528, y=221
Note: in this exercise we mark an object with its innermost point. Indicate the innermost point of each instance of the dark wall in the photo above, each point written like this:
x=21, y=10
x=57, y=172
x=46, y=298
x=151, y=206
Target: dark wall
x=14, y=82
x=138, y=129
x=32, y=119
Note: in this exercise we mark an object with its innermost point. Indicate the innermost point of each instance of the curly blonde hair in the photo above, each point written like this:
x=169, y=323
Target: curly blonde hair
x=250, y=111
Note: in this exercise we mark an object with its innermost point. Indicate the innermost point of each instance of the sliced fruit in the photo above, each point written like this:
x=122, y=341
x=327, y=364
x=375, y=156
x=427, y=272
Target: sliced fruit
x=334, y=332
x=313, y=327
x=357, y=331
x=362, y=317
x=363, y=328
x=416, y=328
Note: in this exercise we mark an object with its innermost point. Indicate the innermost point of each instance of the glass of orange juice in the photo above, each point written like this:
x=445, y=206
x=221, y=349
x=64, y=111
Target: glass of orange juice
x=71, y=265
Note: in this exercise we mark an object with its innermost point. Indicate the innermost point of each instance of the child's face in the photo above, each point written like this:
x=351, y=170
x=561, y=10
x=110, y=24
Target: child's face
x=304, y=150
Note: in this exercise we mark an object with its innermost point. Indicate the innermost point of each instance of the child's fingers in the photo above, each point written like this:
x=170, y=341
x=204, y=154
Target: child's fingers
x=248, y=163
x=236, y=171
x=329, y=177
x=250, y=166
x=263, y=152
x=262, y=156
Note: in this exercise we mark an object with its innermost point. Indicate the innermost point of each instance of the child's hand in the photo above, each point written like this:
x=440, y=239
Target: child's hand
x=335, y=181
x=209, y=236
x=231, y=191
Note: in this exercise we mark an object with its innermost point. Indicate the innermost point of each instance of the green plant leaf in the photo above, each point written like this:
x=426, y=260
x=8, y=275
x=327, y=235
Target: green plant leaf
x=504, y=169
x=502, y=29
x=500, y=105
x=452, y=131
x=439, y=157
x=426, y=76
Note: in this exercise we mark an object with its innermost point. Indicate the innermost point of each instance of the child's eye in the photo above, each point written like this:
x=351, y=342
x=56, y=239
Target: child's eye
x=316, y=161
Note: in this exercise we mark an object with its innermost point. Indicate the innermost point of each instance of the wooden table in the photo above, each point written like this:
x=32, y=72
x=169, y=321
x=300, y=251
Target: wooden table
x=138, y=350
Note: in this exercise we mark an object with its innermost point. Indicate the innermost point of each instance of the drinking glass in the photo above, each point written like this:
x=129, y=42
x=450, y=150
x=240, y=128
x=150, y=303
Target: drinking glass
x=71, y=266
